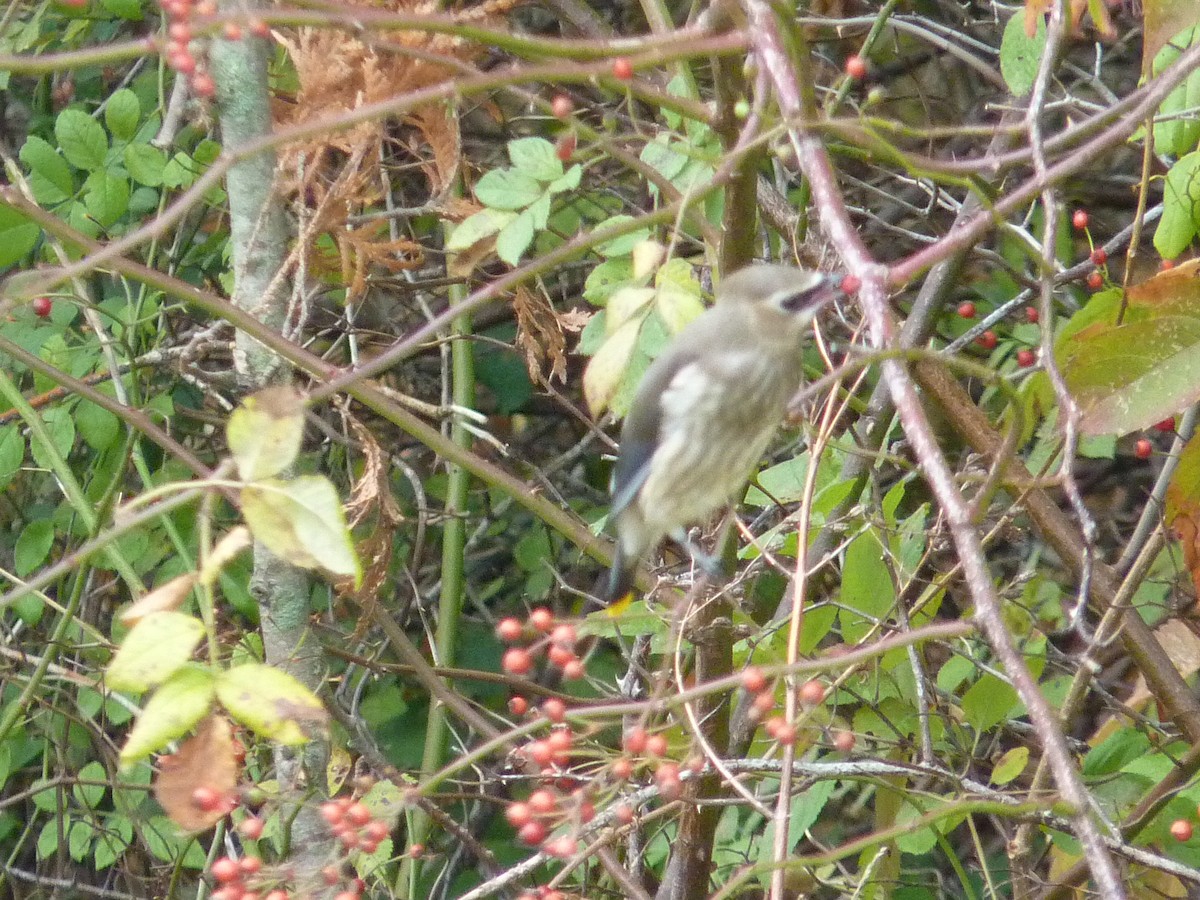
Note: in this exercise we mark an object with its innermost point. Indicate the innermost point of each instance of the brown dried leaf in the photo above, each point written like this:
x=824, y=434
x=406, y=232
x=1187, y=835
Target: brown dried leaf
x=165, y=597
x=540, y=335
x=205, y=760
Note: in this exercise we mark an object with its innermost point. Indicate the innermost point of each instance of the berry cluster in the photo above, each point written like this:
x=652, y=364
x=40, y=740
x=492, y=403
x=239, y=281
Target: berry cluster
x=180, y=20
x=556, y=640
x=810, y=694
x=353, y=824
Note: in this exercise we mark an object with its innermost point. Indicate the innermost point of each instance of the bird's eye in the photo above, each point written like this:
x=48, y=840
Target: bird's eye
x=793, y=301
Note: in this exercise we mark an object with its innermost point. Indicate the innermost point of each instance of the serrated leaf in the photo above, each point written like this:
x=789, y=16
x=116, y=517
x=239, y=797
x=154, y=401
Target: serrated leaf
x=33, y=546
x=18, y=235
x=271, y=703
x=60, y=427
x=12, y=453
x=52, y=170
x=122, y=113
x=97, y=426
x=145, y=164
x=90, y=795
x=536, y=158
x=475, y=228
x=1181, y=207
x=606, y=279
x=302, y=521
x=507, y=189
x=265, y=432
x=623, y=245
x=165, y=597
x=568, y=182
x=677, y=306
x=988, y=702
x=626, y=304
x=514, y=238
x=82, y=139
x=155, y=648
x=106, y=197
x=172, y=711
x=1020, y=54
x=662, y=156
x=607, y=368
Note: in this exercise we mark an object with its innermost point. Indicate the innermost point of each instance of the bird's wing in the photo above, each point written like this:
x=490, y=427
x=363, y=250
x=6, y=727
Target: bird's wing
x=656, y=402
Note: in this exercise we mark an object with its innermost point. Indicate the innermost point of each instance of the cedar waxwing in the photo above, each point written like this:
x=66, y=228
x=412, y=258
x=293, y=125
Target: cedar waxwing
x=707, y=408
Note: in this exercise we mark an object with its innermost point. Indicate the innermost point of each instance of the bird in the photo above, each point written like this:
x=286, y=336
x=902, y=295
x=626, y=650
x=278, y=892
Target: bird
x=706, y=409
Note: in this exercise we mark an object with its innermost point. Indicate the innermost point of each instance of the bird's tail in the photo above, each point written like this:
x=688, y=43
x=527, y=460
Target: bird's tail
x=621, y=577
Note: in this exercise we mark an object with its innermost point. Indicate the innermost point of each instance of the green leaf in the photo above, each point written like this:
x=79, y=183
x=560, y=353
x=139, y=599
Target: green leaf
x=82, y=139
x=514, y=238
x=155, y=648
x=1181, y=207
x=126, y=9
x=623, y=245
x=33, y=546
x=271, y=703
x=867, y=589
x=662, y=156
x=97, y=426
x=79, y=841
x=568, y=182
x=1117, y=750
x=1020, y=54
x=18, y=235
x=507, y=189
x=1179, y=131
x=536, y=158
x=475, y=228
x=49, y=175
x=172, y=711
x=988, y=702
x=145, y=164
x=61, y=428
x=122, y=113
x=302, y=521
x=265, y=432
x=90, y=795
x=47, y=844
x=109, y=848
x=12, y=453
x=607, y=368
x=106, y=197
x=1010, y=765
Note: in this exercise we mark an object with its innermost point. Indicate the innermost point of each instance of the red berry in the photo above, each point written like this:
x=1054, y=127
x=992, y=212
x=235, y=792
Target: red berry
x=562, y=847
x=277, y=894
x=206, y=799
x=226, y=870
x=850, y=284
x=518, y=706
x=635, y=741
x=331, y=812
x=1143, y=448
x=565, y=148
x=554, y=709
x=765, y=701
x=376, y=830
x=542, y=619
x=621, y=768
x=42, y=306
x=564, y=636
x=532, y=833
x=542, y=802
x=1166, y=426
x=518, y=814
x=251, y=828
x=1032, y=315
x=330, y=875
x=233, y=32
x=987, y=340
x=182, y=62
x=1026, y=357
x=562, y=106
x=347, y=895
x=573, y=670
x=509, y=630
x=622, y=68
x=966, y=310
x=1080, y=219
x=624, y=814
x=1099, y=256
x=203, y=85
x=250, y=865
x=1181, y=830
x=259, y=28
x=358, y=815
x=844, y=741
x=180, y=32
x=656, y=745
x=856, y=67
x=753, y=679
x=1095, y=280
x=813, y=692
x=1166, y=264
x=540, y=752
x=517, y=661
